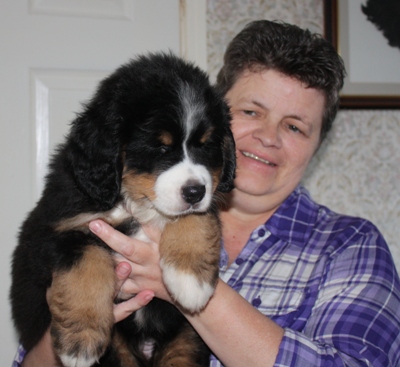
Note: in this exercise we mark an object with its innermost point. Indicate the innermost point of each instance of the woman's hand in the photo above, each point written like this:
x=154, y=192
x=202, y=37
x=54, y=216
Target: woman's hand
x=138, y=267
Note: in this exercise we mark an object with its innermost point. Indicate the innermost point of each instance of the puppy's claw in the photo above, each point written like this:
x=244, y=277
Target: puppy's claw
x=187, y=289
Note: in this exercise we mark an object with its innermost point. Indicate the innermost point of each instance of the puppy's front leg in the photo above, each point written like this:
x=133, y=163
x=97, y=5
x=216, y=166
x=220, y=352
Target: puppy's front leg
x=189, y=250
x=81, y=304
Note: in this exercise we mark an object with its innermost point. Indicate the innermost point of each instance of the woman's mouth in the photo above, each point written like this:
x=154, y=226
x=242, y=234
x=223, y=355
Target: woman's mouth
x=253, y=156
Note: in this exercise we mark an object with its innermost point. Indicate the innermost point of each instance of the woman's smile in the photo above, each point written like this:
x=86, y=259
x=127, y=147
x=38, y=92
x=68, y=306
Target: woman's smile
x=255, y=157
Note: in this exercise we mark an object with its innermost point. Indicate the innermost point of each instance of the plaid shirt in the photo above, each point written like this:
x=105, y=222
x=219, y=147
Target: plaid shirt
x=327, y=279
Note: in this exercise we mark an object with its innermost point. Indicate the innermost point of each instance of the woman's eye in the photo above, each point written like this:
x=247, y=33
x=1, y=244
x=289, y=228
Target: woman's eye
x=294, y=129
x=249, y=112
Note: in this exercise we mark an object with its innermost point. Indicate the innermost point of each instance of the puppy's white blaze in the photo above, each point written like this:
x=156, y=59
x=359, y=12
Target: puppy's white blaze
x=70, y=361
x=169, y=186
x=193, y=108
x=186, y=289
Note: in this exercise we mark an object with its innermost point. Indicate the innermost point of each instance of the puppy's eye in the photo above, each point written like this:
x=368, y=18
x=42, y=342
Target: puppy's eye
x=164, y=149
x=165, y=140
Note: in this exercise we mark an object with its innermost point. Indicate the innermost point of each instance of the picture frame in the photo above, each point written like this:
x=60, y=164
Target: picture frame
x=372, y=65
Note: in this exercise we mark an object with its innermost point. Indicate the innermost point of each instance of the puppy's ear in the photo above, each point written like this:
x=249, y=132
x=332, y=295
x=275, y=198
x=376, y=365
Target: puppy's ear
x=226, y=183
x=95, y=155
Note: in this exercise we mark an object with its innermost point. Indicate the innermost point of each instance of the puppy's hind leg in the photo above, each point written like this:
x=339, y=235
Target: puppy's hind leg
x=81, y=304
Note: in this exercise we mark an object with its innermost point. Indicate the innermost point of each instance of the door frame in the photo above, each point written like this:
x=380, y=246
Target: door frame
x=193, y=31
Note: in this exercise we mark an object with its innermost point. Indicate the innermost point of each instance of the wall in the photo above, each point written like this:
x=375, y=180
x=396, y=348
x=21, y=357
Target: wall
x=357, y=170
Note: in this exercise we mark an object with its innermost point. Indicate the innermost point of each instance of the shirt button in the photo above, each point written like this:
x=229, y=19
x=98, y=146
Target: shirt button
x=256, y=302
x=261, y=232
x=239, y=261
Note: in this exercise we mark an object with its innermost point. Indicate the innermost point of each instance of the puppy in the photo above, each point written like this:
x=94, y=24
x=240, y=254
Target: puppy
x=153, y=146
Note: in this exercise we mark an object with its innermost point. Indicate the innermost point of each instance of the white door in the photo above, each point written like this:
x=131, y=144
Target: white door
x=52, y=54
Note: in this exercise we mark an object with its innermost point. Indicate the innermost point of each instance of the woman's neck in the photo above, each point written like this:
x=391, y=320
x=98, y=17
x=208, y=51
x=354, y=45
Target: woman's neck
x=241, y=215
x=237, y=228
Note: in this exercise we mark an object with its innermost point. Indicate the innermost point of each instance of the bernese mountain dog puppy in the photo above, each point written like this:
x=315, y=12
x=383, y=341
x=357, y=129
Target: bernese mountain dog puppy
x=153, y=146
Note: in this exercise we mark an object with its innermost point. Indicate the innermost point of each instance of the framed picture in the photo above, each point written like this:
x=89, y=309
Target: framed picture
x=372, y=64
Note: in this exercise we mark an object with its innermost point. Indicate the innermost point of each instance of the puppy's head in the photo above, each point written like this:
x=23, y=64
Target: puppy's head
x=157, y=132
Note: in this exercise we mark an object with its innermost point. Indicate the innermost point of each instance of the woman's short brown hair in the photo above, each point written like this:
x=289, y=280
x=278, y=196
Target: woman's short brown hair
x=293, y=51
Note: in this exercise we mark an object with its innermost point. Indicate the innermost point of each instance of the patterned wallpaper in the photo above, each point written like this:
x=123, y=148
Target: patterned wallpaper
x=357, y=170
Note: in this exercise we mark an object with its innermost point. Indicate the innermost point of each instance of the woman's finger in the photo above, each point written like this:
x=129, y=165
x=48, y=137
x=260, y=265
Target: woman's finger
x=123, y=270
x=124, y=309
x=113, y=238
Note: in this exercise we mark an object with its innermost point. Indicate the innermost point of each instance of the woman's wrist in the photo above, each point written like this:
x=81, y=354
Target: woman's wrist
x=42, y=354
x=236, y=332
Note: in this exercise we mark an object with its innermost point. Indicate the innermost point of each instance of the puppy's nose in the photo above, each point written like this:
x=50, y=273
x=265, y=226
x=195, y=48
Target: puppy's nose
x=192, y=194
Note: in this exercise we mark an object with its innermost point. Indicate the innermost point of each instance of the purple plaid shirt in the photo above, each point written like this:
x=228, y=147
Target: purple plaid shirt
x=328, y=280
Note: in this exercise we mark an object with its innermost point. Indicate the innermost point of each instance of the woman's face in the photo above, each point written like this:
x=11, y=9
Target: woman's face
x=276, y=124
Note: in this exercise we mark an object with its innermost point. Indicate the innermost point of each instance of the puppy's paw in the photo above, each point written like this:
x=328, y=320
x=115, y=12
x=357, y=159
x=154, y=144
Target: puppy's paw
x=80, y=342
x=191, y=292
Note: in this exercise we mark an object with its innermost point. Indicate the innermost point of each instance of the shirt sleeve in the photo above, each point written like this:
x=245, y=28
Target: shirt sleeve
x=355, y=320
x=19, y=357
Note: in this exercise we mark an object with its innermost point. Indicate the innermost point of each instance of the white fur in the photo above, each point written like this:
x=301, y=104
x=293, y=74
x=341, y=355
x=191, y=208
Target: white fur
x=169, y=186
x=140, y=317
x=186, y=288
x=148, y=348
x=70, y=361
x=193, y=107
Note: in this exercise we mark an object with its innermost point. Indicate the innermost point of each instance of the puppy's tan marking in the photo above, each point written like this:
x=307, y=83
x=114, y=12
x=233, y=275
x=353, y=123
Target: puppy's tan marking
x=81, y=222
x=181, y=352
x=139, y=186
x=125, y=356
x=207, y=135
x=81, y=304
x=166, y=138
x=191, y=245
x=215, y=175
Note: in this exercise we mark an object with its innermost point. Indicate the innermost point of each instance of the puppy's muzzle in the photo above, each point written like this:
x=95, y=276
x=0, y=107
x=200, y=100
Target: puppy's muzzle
x=192, y=194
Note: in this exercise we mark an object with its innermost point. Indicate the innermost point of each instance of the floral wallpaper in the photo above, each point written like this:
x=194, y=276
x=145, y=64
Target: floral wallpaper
x=357, y=170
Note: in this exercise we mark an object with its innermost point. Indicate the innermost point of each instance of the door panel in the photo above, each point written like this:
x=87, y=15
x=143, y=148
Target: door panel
x=56, y=98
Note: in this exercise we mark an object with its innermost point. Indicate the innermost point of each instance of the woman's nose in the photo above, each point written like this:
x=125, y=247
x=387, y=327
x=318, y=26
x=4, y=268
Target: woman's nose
x=268, y=134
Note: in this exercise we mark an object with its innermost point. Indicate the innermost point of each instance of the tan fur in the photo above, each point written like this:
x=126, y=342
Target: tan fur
x=81, y=221
x=181, y=352
x=166, y=138
x=216, y=174
x=139, y=186
x=125, y=356
x=191, y=244
x=206, y=135
x=81, y=303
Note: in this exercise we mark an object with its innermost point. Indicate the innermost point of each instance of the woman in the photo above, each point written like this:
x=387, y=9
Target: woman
x=299, y=285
